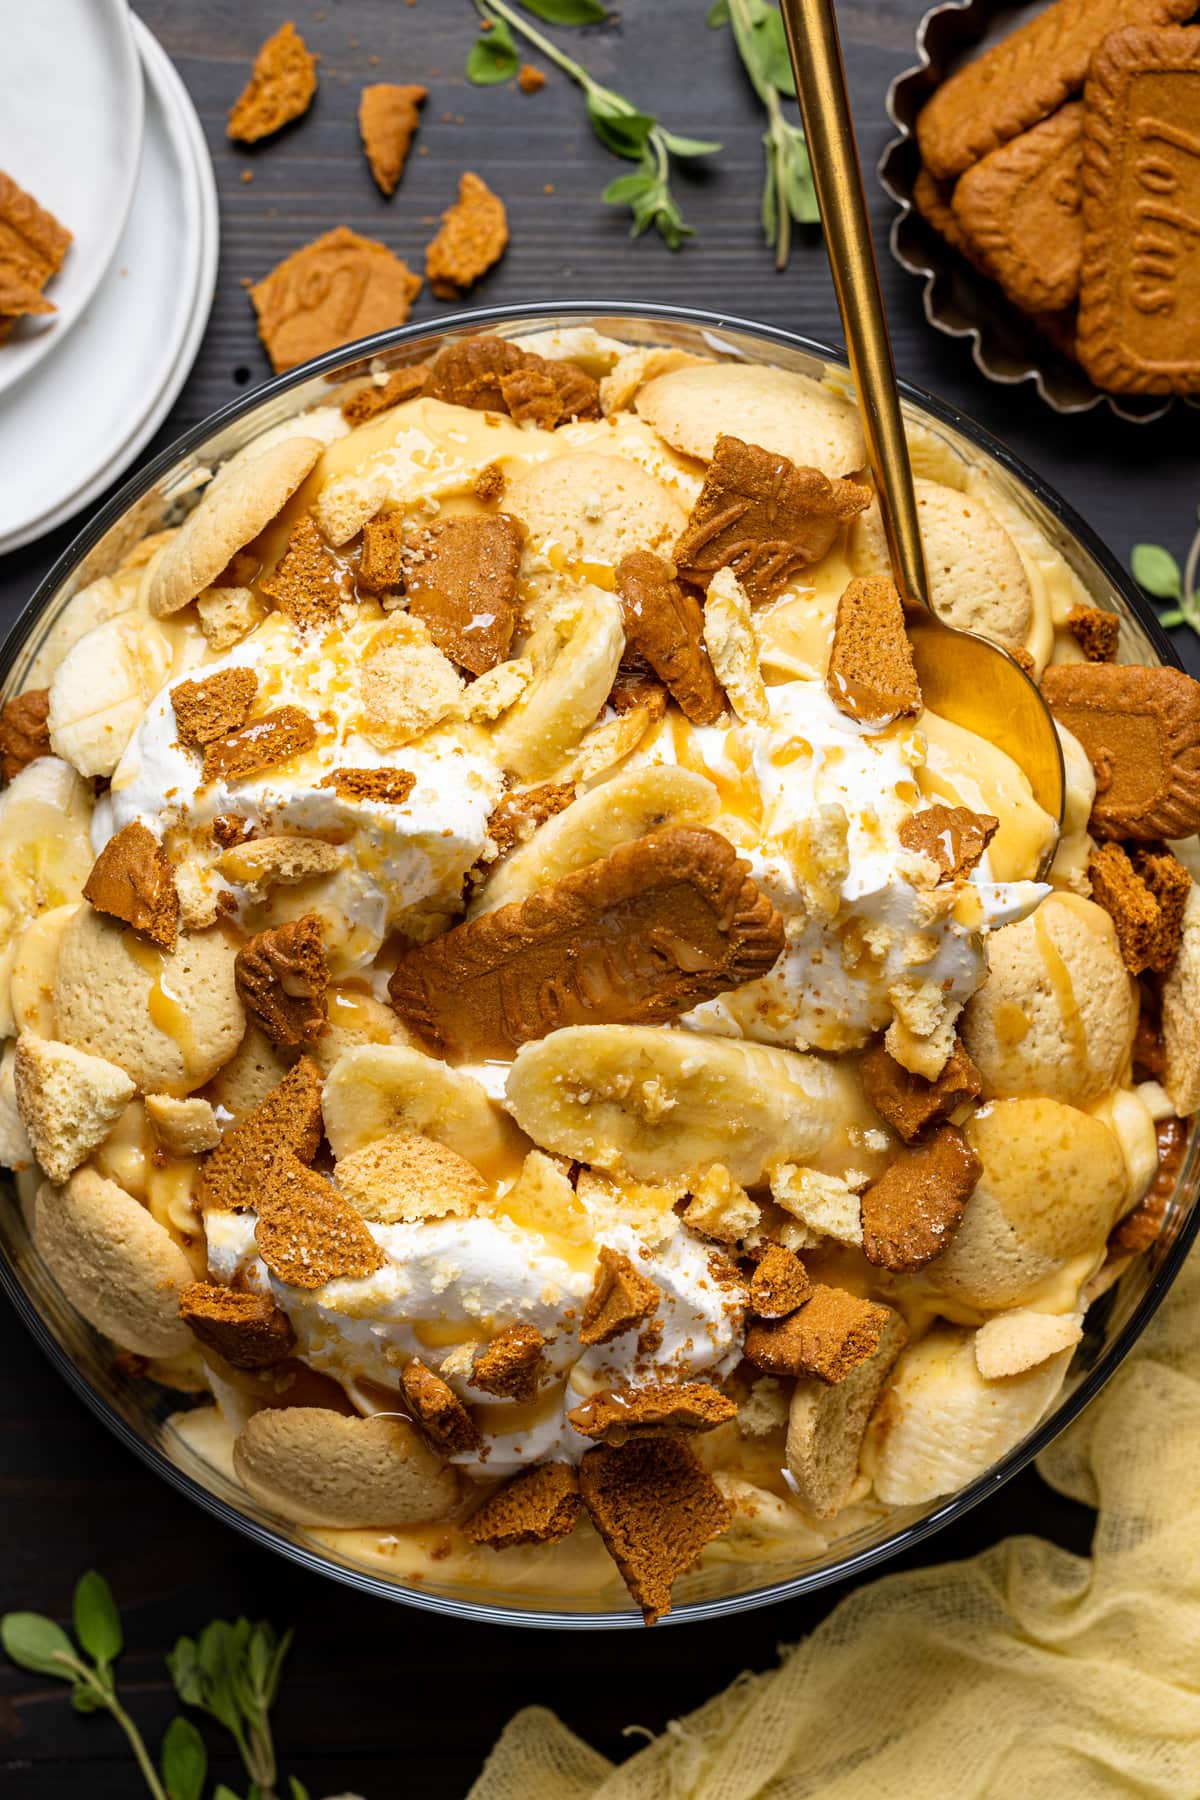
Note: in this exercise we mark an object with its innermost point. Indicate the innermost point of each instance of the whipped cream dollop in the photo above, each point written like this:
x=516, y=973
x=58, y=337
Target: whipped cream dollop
x=397, y=856
x=450, y=1283
x=861, y=914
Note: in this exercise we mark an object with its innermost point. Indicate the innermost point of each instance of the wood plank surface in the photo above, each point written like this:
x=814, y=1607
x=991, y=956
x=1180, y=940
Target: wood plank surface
x=381, y=1699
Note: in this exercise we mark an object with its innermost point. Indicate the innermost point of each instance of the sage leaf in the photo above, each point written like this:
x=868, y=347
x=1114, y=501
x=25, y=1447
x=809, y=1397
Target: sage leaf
x=183, y=1760
x=97, y=1621
x=624, y=133
x=687, y=146
x=493, y=57
x=1156, y=570
x=567, y=12
x=37, y=1643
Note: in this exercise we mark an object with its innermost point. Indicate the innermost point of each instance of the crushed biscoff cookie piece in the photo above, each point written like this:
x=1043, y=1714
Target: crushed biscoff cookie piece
x=1141, y=728
x=397, y=1179
x=367, y=402
x=24, y=732
x=871, y=674
x=621, y=1298
x=132, y=879
x=511, y=1363
x=910, y=1214
x=248, y=1330
x=209, y=709
x=307, y=1234
x=518, y=815
x=388, y=116
x=474, y=372
x=1096, y=632
x=953, y=837
x=827, y=1337
x=461, y=582
x=779, y=1284
x=489, y=484
x=909, y=1103
x=1144, y=895
x=273, y=739
x=656, y=1508
x=280, y=89
x=307, y=584
x=282, y=975
x=576, y=953
x=381, y=559
x=539, y=1506
x=651, y=1410
x=764, y=518
x=665, y=625
x=473, y=236
x=388, y=787
x=530, y=80
x=283, y=1127
x=438, y=1410
x=32, y=247
x=330, y=292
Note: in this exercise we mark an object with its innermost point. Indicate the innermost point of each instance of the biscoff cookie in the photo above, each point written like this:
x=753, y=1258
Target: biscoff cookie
x=977, y=581
x=655, y=1508
x=1021, y=209
x=912, y=1212
x=1139, y=326
x=762, y=516
x=1024, y=78
x=511, y=1365
x=595, y=508
x=578, y=954
x=236, y=507
x=281, y=976
x=388, y=116
x=248, y=1331
x=280, y=89
x=24, y=732
x=473, y=236
x=654, y=1409
x=871, y=675
x=786, y=414
x=132, y=879
x=826, y=1425
x=169, y=1019
x=338, y=288
x=318, y=1467
x=115, y=1263
x=1145, y=896
x=461, y=583
x=539, y=1506
x=1141, y=729
x=665, y=625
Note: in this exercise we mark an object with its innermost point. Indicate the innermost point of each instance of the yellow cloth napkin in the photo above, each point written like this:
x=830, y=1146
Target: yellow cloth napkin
x=1025, y=1671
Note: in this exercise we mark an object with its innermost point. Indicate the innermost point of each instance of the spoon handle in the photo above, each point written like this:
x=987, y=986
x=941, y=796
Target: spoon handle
x=816, y=54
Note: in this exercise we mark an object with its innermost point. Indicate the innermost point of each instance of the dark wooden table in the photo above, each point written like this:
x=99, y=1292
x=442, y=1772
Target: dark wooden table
x=379, y=1698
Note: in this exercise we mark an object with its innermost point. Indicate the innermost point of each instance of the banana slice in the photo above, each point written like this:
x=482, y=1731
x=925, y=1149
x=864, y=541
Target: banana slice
x=45, y=855
x=659, y=1104
x=101, y=599
x=617, y=812
x=16, y=1152
x=376, y=1089
x=574, y=653
x=35, y=958
x=101, y=689
x=940, y=1423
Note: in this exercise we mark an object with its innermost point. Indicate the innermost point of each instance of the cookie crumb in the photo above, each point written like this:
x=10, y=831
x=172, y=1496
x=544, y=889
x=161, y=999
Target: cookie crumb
x=621, y=1298
x=909, y=1103
x=281, y=977
x=247, y=1330
x=829, y=1336
x=530, y=80
x=388, y=116
x=307, y=1234
x=779, y=1284
x=275, y=738
x=390, y=787
x=438, y=1410
x=24, y=731
x=953, y=837
x=208, y=709
x=539, y=1506
x=281, y=87
x=1096, y=632
x=654, y=1410
x=656, y=1508
x=872, y=677
x=132, y=880
x=473, y=236
x=511, y=1364
x=307, y=584
x=911, y=1213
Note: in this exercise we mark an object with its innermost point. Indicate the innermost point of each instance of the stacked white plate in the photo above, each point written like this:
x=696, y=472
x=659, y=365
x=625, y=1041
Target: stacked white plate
x=112, y=146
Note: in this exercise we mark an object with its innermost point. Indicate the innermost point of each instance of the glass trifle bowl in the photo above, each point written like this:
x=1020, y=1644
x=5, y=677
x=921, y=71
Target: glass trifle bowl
x=521, y=1119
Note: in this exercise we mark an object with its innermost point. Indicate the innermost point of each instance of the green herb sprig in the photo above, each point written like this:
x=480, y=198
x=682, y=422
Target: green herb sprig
x=1155, y=569
x=231, y=1671
x=36, y=1643
x=617, y=122
x=788, y=192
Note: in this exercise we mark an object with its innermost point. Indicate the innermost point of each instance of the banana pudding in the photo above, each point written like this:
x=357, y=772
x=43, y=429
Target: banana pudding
x=515, y=1006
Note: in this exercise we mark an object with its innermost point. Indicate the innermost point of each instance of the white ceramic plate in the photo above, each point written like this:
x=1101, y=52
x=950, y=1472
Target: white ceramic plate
x=67, y=435
x=70, y=135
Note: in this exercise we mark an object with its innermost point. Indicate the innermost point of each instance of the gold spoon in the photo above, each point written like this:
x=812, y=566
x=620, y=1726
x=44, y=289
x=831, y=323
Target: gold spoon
x=963, y=677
